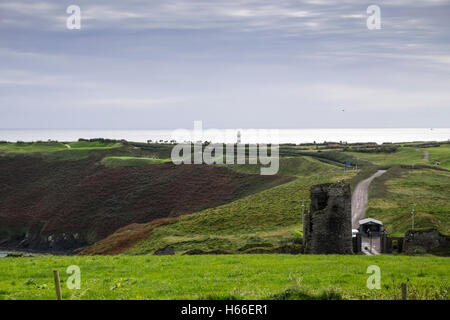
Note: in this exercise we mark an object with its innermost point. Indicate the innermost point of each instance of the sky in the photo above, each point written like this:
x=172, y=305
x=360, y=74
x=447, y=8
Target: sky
x=162, y=64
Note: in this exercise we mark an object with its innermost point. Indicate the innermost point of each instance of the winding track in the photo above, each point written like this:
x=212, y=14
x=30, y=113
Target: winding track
x=360, y=197
x=426, y=155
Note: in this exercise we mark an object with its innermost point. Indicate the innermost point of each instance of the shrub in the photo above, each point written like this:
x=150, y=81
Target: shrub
x=395, y=244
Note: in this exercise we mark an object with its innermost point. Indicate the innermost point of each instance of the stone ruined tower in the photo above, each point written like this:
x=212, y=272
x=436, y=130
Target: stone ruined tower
x=327, y=227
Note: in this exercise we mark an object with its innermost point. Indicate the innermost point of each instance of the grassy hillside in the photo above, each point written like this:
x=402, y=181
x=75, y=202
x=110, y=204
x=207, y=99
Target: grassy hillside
x=79, y=150
x=291, y=166
x=267, y=221
x=270, y=221
x=31, y=147
x=93, y=144
x=234, y=210
x=126, y=161
x=46, y=147
x=226, y=277
x=62, y=205
x=62, y=151
x=402, y=156
x=393, y=194
x=441, y=154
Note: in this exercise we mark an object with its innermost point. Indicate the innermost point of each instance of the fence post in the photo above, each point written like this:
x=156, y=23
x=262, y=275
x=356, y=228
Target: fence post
x=403, y=291
x=57, y=285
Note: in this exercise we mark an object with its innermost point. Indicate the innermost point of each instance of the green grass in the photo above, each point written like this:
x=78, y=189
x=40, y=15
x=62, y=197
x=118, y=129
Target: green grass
x=60, y=151
x=125, y=161
x=290, y=166
x=226, y=277
x=404, y=155
x=32, y=147
x=46, y=147
x=93, y=144
x=393, y=194
x=441, y=154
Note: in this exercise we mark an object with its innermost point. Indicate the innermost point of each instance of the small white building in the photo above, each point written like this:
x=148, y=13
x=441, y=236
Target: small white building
x=372, y=226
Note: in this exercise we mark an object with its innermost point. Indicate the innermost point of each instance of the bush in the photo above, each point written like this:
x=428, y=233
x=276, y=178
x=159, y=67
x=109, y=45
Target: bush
x=395, y=244
x=388, y=148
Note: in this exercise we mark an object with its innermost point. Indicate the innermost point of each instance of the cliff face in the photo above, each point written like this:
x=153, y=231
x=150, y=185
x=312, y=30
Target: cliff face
x=63, y=205
x=327, y=226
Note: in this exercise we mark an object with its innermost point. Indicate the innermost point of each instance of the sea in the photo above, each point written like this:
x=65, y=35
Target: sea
x=378, y=135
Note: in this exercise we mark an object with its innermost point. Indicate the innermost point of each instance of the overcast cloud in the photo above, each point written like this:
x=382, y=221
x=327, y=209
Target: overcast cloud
x=162, y=64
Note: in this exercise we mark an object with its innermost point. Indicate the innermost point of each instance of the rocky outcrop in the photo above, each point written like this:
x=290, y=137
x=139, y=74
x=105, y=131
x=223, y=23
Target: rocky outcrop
x=56, y=242
x=327, y=226
x=166, y=251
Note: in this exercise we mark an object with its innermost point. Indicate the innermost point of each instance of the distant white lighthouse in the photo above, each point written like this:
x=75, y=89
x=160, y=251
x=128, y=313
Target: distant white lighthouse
x=238, y=137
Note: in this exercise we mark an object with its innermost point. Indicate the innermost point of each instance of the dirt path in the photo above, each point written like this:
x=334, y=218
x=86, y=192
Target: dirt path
x=426, y=155
x=369, y=247
x=360, y=197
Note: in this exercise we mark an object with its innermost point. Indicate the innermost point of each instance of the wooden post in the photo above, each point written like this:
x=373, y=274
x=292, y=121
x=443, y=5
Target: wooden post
x=57, y=285
x=403, y=291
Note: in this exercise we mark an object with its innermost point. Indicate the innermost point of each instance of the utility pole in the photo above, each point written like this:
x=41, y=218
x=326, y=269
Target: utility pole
x=303, y=206
x=303, y=209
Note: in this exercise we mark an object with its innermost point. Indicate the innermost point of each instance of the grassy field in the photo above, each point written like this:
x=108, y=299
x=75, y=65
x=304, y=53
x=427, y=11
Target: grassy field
x=32, y=147
x=93, y=144
x=46, y=147
x=126, y=161
x=402, y=156
x=291, y=166
x=392, y=196
x=226, y=277
x=59, y=151
x=441, y=154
